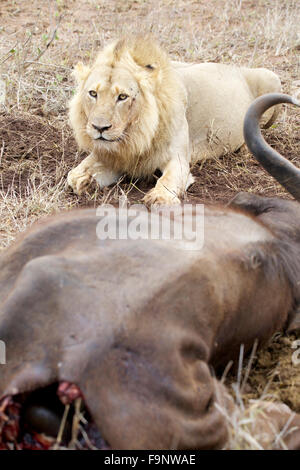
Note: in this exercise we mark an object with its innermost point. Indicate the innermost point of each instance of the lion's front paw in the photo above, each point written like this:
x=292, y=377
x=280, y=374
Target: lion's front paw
x=160, y=197
x=78, y=180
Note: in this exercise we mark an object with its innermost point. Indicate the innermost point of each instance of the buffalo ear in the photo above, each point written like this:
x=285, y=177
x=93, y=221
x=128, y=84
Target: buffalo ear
x=81, y=72
x=249, y=202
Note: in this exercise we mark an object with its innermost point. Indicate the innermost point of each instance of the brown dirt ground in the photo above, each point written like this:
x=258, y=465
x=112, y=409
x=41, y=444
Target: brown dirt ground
x=31, y=141
x=37, y=148
x=274, y=374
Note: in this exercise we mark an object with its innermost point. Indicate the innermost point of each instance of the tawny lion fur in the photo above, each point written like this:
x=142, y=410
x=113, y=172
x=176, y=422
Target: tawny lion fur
x=136, y=111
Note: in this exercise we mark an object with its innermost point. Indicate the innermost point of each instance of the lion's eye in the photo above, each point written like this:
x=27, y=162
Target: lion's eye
x=93, y=93
x=122, y=97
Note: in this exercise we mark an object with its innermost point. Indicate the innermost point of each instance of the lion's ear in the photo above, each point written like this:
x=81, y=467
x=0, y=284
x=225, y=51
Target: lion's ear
x=81, y=72
x=150, y=66
x=149, y=75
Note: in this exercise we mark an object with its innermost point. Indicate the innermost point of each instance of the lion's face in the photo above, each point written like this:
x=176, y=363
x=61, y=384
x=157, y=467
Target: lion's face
x=112, y=103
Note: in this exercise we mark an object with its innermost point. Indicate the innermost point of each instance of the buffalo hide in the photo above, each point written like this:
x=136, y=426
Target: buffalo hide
x=138, y=325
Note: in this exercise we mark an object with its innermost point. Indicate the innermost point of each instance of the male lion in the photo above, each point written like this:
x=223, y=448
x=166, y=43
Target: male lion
x=135, y=111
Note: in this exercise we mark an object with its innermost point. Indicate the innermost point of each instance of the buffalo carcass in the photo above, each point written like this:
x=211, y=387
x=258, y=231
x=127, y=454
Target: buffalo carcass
x=138, y=325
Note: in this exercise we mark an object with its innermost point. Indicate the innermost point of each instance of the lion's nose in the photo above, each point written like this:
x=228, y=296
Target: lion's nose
x=102, y=129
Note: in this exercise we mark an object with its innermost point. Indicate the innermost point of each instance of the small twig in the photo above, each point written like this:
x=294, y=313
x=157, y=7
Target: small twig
x=8, y=54
x=240, y=366
x=11, y=54
x=2, y=151
x=61, y=427
x=33, y=62
x=48, y=43
x=249, y=365
x=138, y=189
x=87, y=440
x=75, y=423
x=226, y=370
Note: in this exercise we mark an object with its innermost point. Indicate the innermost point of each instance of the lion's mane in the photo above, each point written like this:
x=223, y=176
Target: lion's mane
x=163, y=103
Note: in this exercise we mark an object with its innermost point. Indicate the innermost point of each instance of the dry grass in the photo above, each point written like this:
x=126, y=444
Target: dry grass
x=41, y=41
x=264, y=380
